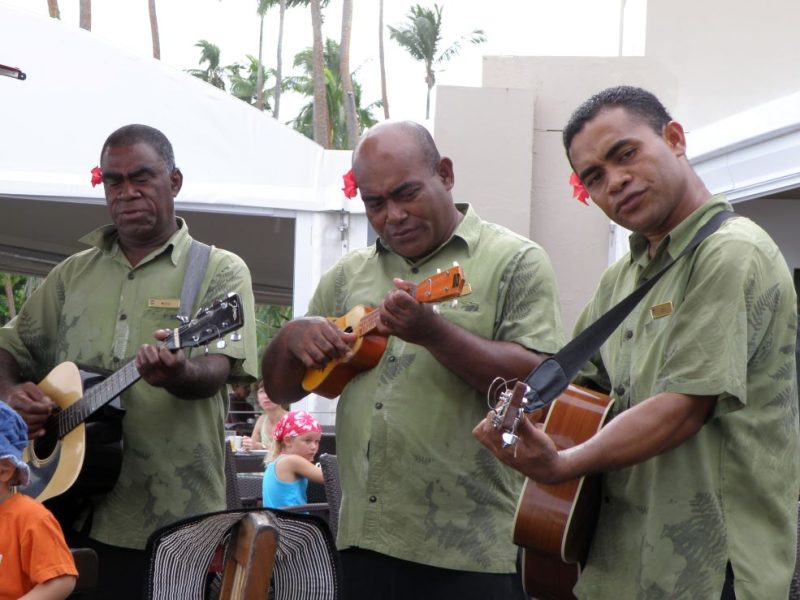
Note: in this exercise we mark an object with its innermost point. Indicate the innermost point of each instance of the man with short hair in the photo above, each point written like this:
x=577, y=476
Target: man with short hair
x=100, y=308
x=700, y=462
x=426, y=512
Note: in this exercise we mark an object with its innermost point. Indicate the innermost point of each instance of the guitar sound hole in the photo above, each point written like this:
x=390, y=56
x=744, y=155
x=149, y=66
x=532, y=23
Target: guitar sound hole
x=45, y=445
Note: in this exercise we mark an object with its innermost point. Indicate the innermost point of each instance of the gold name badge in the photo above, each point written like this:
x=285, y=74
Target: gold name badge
x=163, y=303
x=661, y=310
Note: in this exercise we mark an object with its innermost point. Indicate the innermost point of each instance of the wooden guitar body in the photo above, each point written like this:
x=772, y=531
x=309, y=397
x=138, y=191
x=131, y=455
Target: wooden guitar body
x=56, y=463
x=554, y=524
x=367, y=351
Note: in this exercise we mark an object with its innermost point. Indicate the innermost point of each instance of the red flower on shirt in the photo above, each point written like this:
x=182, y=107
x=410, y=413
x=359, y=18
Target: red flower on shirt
x=578, y=191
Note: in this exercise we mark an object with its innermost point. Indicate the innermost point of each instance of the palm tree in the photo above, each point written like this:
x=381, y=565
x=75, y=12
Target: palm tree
x=344, y=70
x=85, y=14
x=304, y=84
x=151, y=6
x=321, y=123
x=420, y=36
x=52, y=7
x=251, y=86
x=213, y=74
x=384, y=95
x=263, y=6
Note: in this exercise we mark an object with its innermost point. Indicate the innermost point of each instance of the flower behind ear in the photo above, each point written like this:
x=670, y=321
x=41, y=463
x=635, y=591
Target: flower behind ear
x=578, y=191
x=97, y=176
x=350, y=188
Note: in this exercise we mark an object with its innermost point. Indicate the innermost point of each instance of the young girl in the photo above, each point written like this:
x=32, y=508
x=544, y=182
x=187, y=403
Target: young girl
x=262, y=436
x=297, y=437
x=34, y=559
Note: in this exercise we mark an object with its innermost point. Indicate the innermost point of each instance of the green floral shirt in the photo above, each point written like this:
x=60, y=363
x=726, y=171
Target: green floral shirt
x=721, y=322
x=416, y=484
x=94, y=309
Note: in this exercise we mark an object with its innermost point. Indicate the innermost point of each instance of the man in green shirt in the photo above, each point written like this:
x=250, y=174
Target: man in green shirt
x=426, y=512
x=100, y=309
x=700, y=461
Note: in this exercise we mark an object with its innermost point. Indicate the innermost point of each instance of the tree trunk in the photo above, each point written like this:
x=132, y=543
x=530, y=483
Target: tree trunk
x=86, y=15
x=430, y=80
x=9, y=286
x=279, y=66
x=384, y=95
x=344, y=71
x=260, y=74
x=151, y=5
x=52, y=6
x=321, y=120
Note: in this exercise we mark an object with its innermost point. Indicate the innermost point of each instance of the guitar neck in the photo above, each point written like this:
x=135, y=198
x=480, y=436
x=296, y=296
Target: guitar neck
x=96, y=397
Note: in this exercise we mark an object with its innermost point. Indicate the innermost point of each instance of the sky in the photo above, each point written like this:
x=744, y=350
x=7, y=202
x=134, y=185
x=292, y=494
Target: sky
x=512, y=27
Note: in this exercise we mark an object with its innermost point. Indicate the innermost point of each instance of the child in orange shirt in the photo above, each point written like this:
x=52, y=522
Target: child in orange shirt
x=35, y=563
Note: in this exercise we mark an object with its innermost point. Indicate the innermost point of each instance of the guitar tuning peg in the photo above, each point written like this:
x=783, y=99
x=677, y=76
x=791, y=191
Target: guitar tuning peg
x=236, y=337
x=436, y=309
x=454, y=303
x=205, y=349
x=221, y=344
x=455, y=263
x=438, y=271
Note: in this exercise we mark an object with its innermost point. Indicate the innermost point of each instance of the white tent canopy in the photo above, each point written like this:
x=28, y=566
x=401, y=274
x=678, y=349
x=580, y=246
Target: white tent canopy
x=251, y=185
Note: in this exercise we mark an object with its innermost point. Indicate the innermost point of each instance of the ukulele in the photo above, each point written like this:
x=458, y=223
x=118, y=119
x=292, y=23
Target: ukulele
x=369, y=346
x=58, y=460
x=554, y=523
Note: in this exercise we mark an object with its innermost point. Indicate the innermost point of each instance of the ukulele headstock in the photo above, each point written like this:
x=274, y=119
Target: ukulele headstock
x=446, y=284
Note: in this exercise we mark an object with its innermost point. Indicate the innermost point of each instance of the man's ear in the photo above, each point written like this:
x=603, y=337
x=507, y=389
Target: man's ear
x=176, y=180
x=445, y=170
x=675, y=138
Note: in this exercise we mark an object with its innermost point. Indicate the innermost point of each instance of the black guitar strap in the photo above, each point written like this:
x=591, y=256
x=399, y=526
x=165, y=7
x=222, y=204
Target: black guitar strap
x=553, y=375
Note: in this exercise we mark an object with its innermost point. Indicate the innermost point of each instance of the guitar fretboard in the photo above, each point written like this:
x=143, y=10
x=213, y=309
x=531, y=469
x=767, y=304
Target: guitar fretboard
x=96, y=397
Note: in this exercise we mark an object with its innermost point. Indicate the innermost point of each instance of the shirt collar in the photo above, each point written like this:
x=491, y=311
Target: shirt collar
x=677, y=239
x=468, y=231
x=106, y=239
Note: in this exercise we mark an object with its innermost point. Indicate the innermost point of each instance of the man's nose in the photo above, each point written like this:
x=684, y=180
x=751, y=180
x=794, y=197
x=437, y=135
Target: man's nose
x=395, y=212
x=618, y=179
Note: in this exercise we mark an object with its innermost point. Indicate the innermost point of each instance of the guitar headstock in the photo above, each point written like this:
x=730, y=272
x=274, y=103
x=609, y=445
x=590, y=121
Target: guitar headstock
x=210, y=323
x=446, y=284
x=509, y=412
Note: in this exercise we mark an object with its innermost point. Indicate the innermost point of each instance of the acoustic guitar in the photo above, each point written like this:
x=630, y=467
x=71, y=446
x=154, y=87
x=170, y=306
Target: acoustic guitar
x=60, y=460
x=369, y=346
x=554, y=523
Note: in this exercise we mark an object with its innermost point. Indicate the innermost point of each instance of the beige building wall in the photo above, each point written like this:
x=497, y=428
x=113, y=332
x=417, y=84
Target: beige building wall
x=493, y=162
x=726, y=55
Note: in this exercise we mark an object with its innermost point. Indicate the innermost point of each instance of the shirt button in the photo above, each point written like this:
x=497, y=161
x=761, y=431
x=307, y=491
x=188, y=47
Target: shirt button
x=620, y=390
x=392, y=358
x=123, y=317
x=373, y=498
x=379, y=405
x=131, y=275
x=414, y=270
x=628, y=334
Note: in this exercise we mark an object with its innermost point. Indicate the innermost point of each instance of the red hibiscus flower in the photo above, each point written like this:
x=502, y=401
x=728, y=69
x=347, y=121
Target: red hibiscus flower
x=97, y=176
x=350, y=188
x=578, y=191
